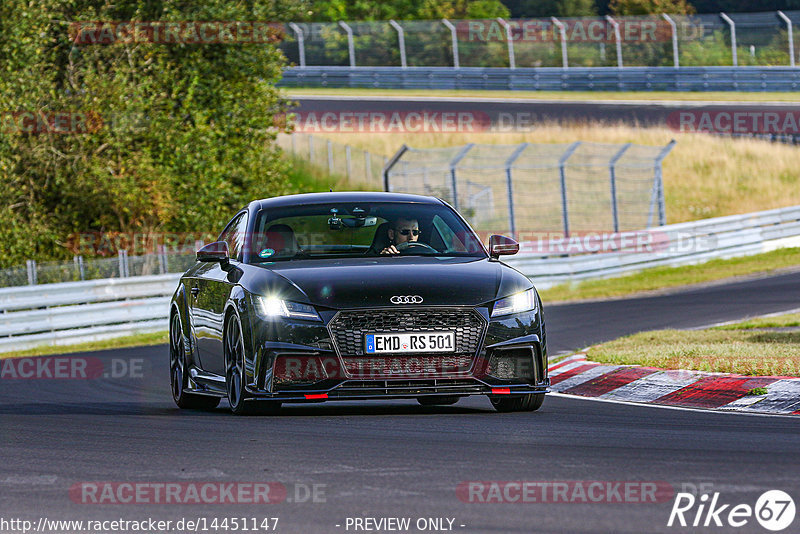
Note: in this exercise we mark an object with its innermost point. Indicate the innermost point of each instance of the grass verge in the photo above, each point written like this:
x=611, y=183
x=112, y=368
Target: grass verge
x=742, y=351
x=720, y=96
x=138, y=340
x=659, y=278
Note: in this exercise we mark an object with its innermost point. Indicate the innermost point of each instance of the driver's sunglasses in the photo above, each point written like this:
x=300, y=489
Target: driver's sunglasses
x=406, y=231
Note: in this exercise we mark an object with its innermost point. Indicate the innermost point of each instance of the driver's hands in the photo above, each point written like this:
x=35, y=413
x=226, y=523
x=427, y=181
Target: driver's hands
x=391, y=249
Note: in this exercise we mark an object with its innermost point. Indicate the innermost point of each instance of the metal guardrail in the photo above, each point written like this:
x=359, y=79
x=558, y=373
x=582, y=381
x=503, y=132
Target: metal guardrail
x=75, y=312
x=672, y=245
x=549, y=78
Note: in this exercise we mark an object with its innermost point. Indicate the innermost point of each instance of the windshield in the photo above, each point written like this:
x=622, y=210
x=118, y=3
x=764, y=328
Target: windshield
x=362, y=229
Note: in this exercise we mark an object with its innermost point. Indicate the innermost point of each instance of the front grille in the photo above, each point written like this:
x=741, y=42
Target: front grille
x=349, y=327
x=407, y=365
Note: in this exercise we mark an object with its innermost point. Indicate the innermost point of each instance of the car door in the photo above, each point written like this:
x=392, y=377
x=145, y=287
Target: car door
x=213, y=288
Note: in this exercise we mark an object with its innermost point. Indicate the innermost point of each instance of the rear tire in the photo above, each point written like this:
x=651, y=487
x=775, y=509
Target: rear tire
x=519, y=403
x=234, y=374
x=437, y=401
x=179, y=379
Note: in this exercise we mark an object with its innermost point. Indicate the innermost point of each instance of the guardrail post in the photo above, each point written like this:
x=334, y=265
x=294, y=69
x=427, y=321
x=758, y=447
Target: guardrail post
x=351, y=47
x=788, y=22
x=301, y=43
x=730, y=22
x=674, y=27
x=617, y=39
x=563, y=175
x=512, y=64
x=31, y=267
x=388, y=164
x=368, y=166
x=453, y=178
x=510, y=187
x=330, y=156
x=612, y=173
x=401, y=40
x=310, y=148
x=454, y=39
x=348, y=161
x=562, y=32
x=293, y=136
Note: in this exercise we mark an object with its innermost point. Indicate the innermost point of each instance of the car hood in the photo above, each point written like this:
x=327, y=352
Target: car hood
x=365, y=282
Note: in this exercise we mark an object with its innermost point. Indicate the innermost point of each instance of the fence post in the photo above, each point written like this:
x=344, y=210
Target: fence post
x=368, y=166
x=347, y=158
x=563, y=175
x=453, y=178
x=294, y=143
x=310, y=148
x=730, y=22
x=454, y=39
x=674, y=27
x=81, y=269
x=562, y=32
x=123, y=263
x=31, y=266
x=301, y=43
x=330, y=156
x=388, y=164
x=401, y=39
x=612, y=173
x=617, y=39
x=788, y=22
x=351, y=48
x=162, y=259
x=510, y=188
x=659, y=178
x=512, y=64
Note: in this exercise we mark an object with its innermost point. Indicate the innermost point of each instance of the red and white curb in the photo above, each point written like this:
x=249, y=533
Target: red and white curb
x=576, y=375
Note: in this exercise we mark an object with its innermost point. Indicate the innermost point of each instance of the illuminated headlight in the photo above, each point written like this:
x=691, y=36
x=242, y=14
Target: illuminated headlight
x=517, y=303
x=275, y=307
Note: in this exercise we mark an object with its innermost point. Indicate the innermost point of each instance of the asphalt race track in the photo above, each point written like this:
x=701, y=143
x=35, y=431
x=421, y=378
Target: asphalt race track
x=509, y=114
x=397, y=459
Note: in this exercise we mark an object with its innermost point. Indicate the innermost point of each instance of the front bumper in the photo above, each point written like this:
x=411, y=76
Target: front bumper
x=300, y=361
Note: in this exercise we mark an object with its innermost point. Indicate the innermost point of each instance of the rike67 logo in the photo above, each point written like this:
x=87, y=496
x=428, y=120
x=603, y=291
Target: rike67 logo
x=774, y=510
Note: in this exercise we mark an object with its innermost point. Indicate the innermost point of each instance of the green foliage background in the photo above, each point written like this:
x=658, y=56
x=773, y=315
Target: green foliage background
x=187, y=133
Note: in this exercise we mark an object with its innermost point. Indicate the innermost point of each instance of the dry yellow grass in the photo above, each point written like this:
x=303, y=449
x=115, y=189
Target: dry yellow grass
x=704, y=176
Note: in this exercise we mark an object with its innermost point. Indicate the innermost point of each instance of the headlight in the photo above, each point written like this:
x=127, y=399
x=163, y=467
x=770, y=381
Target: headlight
x=517, y=303
x=275, y=307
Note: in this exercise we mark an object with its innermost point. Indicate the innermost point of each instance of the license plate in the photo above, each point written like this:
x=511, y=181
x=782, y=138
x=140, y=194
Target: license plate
x=410, y=342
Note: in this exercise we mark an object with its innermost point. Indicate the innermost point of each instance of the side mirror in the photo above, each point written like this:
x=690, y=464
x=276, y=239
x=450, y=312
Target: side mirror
x=500, y=245
x=216, y=251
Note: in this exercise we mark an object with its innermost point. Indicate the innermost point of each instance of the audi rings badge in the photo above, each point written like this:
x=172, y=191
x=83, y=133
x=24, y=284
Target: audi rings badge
x=406, y=299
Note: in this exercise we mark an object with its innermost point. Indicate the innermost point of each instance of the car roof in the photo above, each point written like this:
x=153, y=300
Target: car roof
x=343, y=196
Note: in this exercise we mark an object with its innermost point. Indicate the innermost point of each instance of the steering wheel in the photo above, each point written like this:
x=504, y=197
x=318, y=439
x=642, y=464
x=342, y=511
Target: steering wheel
x=411, y=245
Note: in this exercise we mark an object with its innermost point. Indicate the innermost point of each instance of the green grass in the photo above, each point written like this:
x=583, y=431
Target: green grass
x=729, y=351
x=780, y=321
x=138, y=340
x=721, y=96
x=659, y=278
x=758, y=391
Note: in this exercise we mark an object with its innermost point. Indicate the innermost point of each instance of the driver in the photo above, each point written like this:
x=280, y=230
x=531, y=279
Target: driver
x=401, y=231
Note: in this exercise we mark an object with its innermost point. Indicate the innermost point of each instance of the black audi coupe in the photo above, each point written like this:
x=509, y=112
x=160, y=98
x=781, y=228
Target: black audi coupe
x=347, y=296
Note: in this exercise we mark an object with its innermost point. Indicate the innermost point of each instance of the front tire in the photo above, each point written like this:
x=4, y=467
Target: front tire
x=519, y=403
x=179, y=379
x=234, y=374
